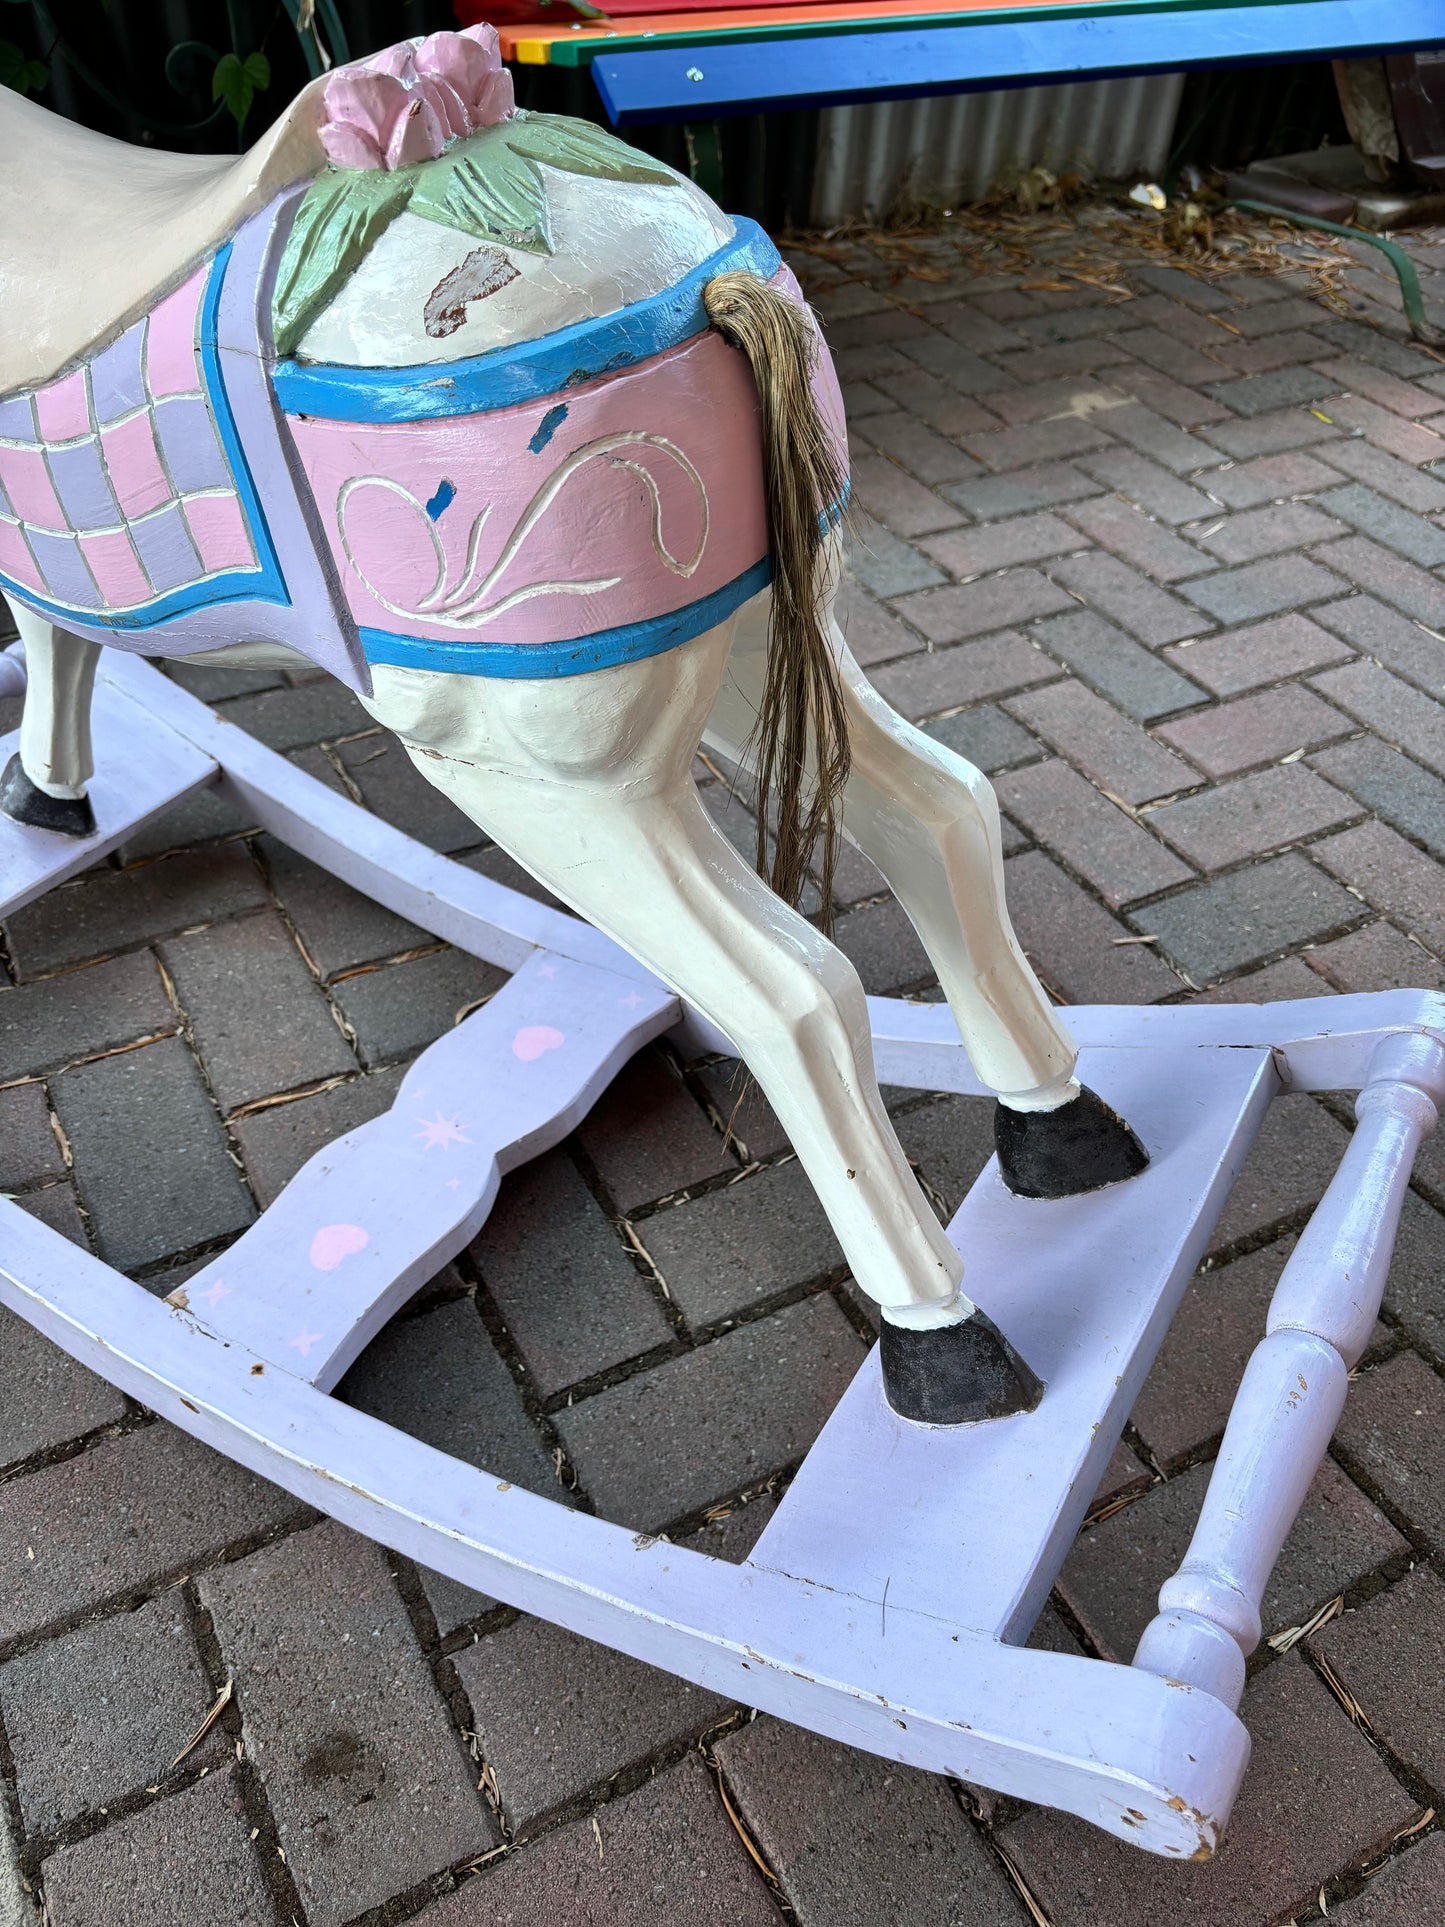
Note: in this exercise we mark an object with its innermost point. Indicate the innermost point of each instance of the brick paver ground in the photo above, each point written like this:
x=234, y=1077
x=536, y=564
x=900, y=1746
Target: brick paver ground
x=1164, y=552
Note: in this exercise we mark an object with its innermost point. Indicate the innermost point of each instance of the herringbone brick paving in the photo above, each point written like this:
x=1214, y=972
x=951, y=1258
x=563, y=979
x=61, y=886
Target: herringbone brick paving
x=1164, y=552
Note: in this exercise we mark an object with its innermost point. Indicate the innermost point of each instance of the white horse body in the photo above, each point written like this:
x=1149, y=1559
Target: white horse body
x=558, y=623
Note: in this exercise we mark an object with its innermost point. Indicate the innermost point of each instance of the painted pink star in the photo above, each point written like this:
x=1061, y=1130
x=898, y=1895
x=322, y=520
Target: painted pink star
x=439, y=1133
x=547, y=970
x=453, y=1184
x=630, y=1001
x=215, y=1293
x=303, y=1341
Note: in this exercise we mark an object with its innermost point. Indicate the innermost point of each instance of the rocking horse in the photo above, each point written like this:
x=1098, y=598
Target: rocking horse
x=510, y=428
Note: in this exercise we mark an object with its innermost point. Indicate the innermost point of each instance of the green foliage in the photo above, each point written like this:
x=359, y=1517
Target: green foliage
x=489, y=187
x=341, y=219
x=24, y=75
x=237, y=82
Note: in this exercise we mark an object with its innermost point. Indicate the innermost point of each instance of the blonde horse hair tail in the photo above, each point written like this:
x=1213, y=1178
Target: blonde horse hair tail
x=801, y=738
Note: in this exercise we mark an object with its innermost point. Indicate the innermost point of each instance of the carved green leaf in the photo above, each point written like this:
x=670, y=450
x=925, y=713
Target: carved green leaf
x=490, y=186
x=577, y=147
x=487, y=190
x=341, y=219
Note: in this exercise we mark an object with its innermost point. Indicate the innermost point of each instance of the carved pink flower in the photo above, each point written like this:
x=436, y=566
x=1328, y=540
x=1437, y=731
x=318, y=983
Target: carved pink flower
x=378, y=120
x=470, y=64
x=404, y=105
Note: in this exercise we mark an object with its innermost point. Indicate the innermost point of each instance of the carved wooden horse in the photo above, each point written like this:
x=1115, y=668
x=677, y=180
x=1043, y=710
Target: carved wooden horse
x=449, y=400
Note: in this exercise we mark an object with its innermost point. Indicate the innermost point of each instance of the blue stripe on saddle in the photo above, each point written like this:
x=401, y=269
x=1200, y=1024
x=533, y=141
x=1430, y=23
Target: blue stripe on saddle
x=539, y=661
x=523, y=370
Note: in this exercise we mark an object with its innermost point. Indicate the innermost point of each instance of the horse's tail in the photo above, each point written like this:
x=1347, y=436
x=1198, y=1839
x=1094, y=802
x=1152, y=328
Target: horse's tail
x=801, y=737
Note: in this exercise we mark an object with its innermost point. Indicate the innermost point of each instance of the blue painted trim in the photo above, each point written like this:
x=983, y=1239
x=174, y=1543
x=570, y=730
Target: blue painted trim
x=268, y=584
x=744, y=77
x=544, y=661
x=66, y=614
x=263, y=584
x=523, y=371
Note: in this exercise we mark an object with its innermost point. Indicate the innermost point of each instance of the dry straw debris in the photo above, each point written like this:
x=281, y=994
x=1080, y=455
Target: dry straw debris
x=1084, y=234
x=222, y=1701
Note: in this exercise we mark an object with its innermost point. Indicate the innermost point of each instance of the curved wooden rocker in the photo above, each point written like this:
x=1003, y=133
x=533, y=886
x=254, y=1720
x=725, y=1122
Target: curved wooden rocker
x=968, y=1524
x=399, y=416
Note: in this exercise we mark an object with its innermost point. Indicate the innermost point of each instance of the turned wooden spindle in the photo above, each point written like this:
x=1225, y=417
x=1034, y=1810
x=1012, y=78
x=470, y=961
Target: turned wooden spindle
x=1293, y=1390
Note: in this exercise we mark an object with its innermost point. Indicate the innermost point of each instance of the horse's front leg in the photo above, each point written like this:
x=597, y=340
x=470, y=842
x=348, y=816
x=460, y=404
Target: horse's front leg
x=44, y=783
x=586, y=780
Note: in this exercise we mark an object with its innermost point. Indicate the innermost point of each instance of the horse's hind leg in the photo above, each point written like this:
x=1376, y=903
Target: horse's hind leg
x=587, y=782
x=930, y=822
x=44, y=784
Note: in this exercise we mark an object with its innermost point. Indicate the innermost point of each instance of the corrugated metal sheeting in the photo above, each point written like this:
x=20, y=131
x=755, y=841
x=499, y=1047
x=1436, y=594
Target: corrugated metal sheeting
x=874, y=160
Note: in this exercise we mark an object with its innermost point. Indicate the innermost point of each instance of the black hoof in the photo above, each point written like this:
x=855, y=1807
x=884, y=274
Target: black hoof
x=24, y=803
x=956, y=1374
x=1081, y=1146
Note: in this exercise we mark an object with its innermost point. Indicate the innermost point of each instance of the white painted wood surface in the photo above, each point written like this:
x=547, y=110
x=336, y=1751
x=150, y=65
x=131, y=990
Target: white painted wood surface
x=453, y=903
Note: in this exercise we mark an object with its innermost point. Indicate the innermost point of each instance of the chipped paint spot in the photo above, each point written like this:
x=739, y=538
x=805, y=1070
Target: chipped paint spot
x=484, y=272
x=191, y=1408
x=258, y=1371
x=439, y=504
x=547, y=427
x=346, y=1485
x=179, y=1299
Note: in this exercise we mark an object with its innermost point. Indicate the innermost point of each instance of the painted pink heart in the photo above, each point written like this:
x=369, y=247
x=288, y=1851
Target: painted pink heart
x=335, y=1242
x=535, y=1040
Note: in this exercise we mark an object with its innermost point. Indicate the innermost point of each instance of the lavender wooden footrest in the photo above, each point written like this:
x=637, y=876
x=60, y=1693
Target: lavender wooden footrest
x=887, y=1601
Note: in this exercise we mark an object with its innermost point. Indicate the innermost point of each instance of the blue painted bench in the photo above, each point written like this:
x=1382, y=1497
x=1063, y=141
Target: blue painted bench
x=714, y=79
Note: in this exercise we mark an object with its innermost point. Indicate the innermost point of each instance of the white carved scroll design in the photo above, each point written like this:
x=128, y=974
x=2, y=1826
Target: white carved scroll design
x=460, y=600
